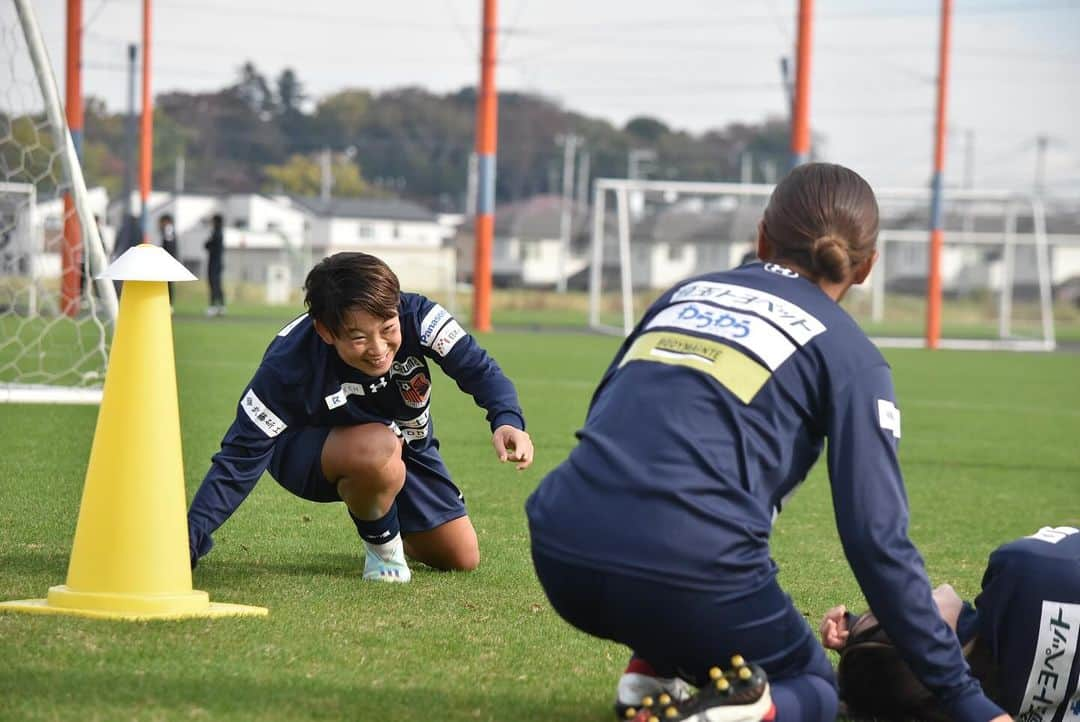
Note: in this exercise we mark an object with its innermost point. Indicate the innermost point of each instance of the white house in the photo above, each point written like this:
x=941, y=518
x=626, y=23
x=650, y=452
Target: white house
x=693, y=236
x=527, y=244
x=407, y=236
x=45, y=237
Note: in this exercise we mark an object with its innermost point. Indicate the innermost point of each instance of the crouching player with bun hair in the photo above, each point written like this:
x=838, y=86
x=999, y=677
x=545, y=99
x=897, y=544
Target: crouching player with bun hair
x=1020, y=638
x=339, y=410
x=655, y=531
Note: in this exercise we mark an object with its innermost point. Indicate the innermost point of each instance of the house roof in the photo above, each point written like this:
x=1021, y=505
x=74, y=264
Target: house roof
x=692, y=224
x=381, y=208
x=538, y=217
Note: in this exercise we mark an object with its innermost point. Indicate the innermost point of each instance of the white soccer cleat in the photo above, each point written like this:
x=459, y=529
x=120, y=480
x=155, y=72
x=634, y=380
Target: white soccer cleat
x=386, y=562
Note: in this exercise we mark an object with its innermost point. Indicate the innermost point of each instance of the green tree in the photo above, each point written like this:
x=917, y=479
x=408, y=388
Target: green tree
x=294, y=124
x=647, y=128
x=339, y=118
x=254, y=91
x=302, y=175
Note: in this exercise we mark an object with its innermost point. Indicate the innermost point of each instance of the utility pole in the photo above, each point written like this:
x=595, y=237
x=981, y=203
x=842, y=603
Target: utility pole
x=937, y=233
x=634, y=161
x=71, y=251
x=327, y=175
x=1041, y=143
x=486, y=146
x=179, y=182
x=746, y=167
x=800, y=125
x=789, y=87
x=146, y=132
x=569, y=143
x=130, y=138
x=470, y=187
x=583, y=180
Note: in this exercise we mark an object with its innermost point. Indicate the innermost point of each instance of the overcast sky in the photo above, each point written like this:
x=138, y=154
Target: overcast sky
x=694, y=64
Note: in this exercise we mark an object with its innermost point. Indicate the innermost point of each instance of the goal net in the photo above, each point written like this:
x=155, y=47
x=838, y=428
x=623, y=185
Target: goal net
x=996, y=259
x=54, y=318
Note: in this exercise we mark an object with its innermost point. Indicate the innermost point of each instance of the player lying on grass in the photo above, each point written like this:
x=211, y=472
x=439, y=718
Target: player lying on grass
x=339, y=410
x=1020, y=638
x=655, y=531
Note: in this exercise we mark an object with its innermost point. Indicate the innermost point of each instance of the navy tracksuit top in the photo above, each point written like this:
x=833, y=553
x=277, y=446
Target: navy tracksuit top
x=303, y=382
x=711, y=414
x=1028, y=614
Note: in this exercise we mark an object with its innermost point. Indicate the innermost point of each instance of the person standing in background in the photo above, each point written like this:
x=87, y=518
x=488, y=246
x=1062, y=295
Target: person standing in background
x=215, y=257
x=168, y=241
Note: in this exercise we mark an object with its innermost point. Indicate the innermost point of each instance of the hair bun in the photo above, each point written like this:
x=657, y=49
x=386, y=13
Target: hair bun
x=829, y=256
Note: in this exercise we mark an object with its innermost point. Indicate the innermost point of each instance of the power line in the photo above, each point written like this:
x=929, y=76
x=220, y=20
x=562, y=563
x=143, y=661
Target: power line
x=94, y=15
x=466, y=39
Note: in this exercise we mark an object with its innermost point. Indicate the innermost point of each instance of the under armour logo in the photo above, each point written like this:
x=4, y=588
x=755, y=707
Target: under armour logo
x=376, y=387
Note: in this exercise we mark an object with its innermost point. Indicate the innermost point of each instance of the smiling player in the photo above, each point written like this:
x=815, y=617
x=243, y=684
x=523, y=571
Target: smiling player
x=338, y=410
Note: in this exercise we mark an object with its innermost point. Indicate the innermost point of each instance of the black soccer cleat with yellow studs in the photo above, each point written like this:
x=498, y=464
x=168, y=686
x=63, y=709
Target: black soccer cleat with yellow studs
x=740, y=694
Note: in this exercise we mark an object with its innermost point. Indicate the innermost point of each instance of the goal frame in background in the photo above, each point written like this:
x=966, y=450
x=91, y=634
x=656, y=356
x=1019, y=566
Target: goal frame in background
x=103, y=308
x=21, y=225
x=1012, y=204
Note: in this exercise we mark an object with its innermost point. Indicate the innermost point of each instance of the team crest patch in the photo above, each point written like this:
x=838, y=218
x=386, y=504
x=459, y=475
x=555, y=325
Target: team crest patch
x=415, y=390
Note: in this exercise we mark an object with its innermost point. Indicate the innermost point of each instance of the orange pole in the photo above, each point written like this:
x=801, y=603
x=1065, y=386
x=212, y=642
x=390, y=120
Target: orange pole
x=71, y=250
x=800, y=122
x=146, y=130
x=486, y=143
x=937, y=234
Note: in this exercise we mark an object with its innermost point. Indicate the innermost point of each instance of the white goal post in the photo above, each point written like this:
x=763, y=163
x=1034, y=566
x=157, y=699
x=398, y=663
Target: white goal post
x=997, y=265
x=48, y=353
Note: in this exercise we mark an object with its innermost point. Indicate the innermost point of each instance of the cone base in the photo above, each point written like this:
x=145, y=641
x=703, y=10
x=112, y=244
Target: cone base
x=211, y=609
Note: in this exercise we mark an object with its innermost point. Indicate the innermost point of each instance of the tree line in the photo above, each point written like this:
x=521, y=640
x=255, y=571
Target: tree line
x=265, y=135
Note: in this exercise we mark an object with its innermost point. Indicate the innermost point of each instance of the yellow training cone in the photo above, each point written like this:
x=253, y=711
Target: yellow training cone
x=130, y=555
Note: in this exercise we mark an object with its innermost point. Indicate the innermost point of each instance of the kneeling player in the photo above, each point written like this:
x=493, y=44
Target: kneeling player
x=1020, y=638
x=655, y=531
x=338, y=410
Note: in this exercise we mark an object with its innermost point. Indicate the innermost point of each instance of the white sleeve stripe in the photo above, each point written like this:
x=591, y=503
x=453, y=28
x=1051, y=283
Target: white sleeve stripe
x=291, y=325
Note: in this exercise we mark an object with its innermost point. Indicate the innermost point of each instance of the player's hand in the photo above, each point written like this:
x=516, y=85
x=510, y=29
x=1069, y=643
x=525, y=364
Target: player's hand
x=834, y=631
x=513, y=445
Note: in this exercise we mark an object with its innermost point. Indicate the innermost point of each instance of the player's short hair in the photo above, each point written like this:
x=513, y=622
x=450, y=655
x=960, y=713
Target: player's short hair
x=822, y=217
x=875, y=682
x=348, y=281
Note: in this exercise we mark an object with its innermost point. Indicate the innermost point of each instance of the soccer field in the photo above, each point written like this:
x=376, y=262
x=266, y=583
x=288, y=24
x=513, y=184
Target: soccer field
x=990, y=452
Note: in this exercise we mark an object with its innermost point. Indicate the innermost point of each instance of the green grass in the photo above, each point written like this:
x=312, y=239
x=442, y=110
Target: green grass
x=989, y=451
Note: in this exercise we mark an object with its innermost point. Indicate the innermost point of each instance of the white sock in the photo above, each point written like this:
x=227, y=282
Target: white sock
x=390, y=551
